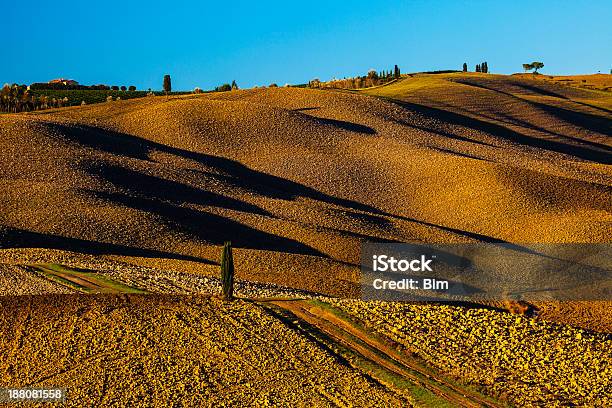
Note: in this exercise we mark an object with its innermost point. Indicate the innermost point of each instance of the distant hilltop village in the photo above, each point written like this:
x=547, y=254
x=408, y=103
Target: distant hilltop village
x=65, y=82
x=57, y=84
x=70, y=84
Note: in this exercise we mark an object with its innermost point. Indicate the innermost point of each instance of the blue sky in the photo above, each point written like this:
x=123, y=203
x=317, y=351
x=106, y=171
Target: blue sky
x=205, y=44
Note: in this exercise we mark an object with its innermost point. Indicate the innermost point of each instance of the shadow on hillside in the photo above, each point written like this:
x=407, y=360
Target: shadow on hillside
x=209, y=227
x=588, y=121
x=489, y=85
x=105, y=140
x=344, y=125
x=586, y=151
x=539, y=90
x=455, y=153
x=441, y=132
x=152, y=187
x=306, y=109
x=547, y=92
x=230, y=171
x=340, y=124
x=144, y=193
x=18, y=238
x=594, y=123
x=166, y=198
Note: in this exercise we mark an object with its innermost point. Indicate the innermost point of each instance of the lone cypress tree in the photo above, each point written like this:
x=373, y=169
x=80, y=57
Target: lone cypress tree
x=465, y=67
x=227, y=272
x=167, y=84
x=396, y=71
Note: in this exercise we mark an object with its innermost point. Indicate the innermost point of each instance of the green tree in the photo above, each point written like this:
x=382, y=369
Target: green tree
x=227, y=272
x=465, y=67
x=534, y=65
x=234, y=85
x=537, y=65
x=396, y=71
x=131, y=88
x=477, y=67
x=167, y=84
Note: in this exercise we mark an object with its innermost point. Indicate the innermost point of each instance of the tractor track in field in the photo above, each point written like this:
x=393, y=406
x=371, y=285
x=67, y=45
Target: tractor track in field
x=82, y=281
x=356, y=340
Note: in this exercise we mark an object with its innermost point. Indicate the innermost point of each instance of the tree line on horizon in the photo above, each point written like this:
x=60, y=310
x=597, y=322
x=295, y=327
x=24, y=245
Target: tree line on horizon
x=373, y=78
x=483, y=67
x=227, y=87
x=21, y=98
x=18, y=98
x=58, y=86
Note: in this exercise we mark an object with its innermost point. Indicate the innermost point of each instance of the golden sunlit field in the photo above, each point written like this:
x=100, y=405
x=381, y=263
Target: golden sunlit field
x=137, y=196
x=602, y=82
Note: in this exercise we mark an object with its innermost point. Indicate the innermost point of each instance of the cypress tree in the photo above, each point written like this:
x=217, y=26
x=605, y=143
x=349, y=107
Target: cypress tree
x=227, y=272
x=465, y=67
x=477, y=67
x=167, y=84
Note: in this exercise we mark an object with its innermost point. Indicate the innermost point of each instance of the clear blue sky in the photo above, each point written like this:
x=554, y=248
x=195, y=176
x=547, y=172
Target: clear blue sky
x=204, y=43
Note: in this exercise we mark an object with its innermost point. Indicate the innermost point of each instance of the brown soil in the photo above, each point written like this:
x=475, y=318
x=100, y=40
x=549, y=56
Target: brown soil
x=161, y=350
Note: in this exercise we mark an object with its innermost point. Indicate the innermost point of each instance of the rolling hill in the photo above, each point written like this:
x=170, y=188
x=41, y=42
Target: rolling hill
x=297, y=178
x=136, y=196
